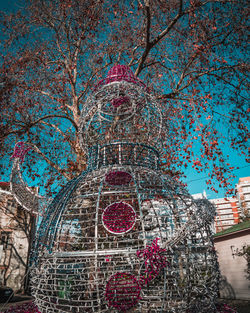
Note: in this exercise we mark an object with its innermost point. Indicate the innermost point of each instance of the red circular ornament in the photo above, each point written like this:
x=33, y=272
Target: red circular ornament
x=118, y=178
x=119, y=218
x=122, y=291
x=119, y=101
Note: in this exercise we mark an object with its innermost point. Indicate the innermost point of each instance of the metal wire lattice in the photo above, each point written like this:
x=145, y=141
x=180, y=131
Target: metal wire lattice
x=123, y=237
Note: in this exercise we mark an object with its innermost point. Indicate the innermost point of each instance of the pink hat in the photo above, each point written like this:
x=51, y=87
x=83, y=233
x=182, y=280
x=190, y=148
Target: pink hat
x=120, y=73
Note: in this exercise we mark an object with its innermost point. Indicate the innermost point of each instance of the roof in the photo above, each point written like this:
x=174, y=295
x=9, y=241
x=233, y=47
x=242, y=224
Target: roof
x=244, y=179
x=4, y=185
x=236, y=228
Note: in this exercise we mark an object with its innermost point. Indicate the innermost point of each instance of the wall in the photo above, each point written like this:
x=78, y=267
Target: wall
x=235, y=285
x=14, y=229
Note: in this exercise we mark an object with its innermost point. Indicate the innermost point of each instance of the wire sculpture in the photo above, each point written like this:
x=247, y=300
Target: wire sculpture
x=29, y=199
x=123, y=237
x=20, y=151
x=122, y=291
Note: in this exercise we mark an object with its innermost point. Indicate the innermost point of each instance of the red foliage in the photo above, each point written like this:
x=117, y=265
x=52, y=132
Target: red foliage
x=192, y=57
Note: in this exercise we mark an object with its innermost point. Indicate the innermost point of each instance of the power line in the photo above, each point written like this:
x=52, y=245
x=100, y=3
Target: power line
x=208, y=176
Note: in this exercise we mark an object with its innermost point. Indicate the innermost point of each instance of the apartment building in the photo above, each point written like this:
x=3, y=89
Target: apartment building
x=243, y=196
x=227, y=210
x=231, y=211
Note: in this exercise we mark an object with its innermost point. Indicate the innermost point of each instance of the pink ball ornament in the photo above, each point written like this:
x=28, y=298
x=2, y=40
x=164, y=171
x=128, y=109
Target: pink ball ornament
x=122, y=291
x=119, y=218
x=118, y=178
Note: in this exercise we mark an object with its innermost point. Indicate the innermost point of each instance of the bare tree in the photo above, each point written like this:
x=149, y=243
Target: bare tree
x=191, y=53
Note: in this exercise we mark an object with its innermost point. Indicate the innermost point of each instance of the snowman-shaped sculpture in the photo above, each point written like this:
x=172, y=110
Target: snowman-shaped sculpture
x=122, y=237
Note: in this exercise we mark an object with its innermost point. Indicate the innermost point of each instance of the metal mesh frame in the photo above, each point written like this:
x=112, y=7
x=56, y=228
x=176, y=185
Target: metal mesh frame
x=137, y=121
x=28, y=199
x=167, y=255
x=75, y=235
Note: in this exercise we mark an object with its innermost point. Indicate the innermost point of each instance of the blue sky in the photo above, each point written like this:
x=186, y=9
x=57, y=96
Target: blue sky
x=195, y=181
x=9, y=5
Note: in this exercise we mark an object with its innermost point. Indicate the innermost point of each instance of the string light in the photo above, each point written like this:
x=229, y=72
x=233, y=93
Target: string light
x=122, y=236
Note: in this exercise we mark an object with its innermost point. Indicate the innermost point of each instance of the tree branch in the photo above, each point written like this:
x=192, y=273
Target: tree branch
x=17, y=254
x=147, y=39
x=148, y=23
x=170, y=26
x=27, y=125
x=133, y=56
x=51, y=163
x=210, y=72
x=61, y=133
x=55, y=116
x=150, y=45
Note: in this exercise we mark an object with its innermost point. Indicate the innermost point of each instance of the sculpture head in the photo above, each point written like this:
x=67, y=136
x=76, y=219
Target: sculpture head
x=120, y=110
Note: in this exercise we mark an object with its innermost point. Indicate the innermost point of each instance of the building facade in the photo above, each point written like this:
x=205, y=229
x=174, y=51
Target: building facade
x=14, y=240
x=243, y=196
x=230, y=211
x=227, y=213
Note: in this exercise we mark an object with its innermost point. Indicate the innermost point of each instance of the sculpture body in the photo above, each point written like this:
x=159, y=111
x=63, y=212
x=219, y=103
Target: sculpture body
x=123, y=237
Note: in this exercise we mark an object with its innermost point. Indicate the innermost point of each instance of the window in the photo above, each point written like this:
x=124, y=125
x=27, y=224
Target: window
x=10, y=204
x=224, y=206
x=227, y=216
x=5, y=239
x=19, y=212
x=246, y=188
x=225, y=211
x=226, y=222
